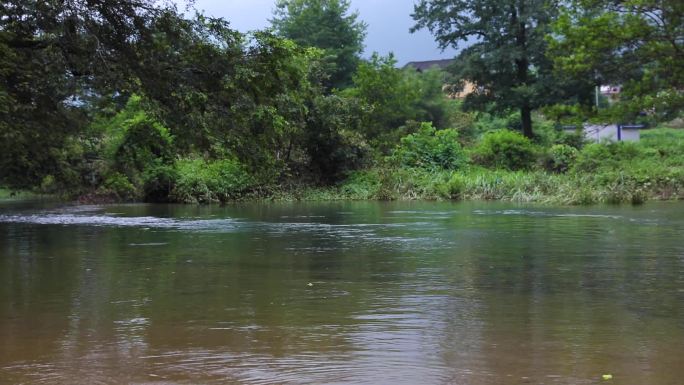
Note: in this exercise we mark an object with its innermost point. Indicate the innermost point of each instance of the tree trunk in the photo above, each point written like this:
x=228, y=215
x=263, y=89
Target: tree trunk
x=522, y=65
x=526, y=119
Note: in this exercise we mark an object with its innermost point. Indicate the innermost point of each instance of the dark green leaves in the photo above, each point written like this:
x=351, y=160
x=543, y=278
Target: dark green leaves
x=328, y=25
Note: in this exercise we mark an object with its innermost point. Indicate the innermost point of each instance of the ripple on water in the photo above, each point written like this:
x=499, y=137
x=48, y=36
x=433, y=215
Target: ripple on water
x=348, y=235
x=118, y=221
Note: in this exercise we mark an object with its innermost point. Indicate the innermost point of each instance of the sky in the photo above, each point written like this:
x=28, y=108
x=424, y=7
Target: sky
x=388, y=25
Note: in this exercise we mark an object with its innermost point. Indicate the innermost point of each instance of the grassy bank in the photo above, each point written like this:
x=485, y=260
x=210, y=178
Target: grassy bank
x=7, y=194
x=652, y=169
x=481, y=184
x=433, y=165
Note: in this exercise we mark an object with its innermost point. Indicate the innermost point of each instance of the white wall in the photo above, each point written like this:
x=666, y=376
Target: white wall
x=603, y=133
x=631, y=134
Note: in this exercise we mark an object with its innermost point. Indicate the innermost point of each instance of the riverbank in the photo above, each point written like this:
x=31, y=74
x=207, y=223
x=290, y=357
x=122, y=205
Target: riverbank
x=475, y=184
x=495, y=185
x=7, y=194
x=624, y=172
x=615, y=173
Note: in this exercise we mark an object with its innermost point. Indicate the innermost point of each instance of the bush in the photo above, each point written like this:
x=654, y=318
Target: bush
x=575, y=139
x=457, y=186
x=607, y=156
x=592, y=157
x=560, y=158
x=132, y=142
x=120, y=187
x=159, y=182
x=361, y=185
x=201, y=181
x=48, y=185
x=505, y=149
x=430, y=149
x=333, y=142
x=144, y=144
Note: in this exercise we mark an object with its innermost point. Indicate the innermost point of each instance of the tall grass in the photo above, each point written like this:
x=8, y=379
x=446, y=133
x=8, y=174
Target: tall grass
x=7, y=194
x=598, y=173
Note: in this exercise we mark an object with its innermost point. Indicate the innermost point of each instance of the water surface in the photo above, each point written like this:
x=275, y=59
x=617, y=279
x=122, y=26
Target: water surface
x=341, y=293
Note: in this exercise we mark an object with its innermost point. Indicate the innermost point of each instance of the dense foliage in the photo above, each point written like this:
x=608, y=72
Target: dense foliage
x=133, y=100
x=638, y=44
x=505, y=55
x=506, y=149
x=328, y=25
x=430, y=149
x=397, y=99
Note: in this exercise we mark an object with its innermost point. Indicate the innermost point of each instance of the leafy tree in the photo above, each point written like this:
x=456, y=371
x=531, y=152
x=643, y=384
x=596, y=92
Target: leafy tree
x=395, y=97
x=328, y=25
x=389, y=95
x=57, y=56
x=507, y=58
x=636, y=43
x=219, y=92
x=333, y=140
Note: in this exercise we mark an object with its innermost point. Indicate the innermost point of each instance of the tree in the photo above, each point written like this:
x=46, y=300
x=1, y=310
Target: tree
x=328, y=25
x=636, y=43
x=387, y=92
x=218, y=91
x=396, y=100
x=507, y=58
x=55, y=55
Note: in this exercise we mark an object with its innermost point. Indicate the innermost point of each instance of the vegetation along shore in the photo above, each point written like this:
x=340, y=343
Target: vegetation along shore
x=138, y=101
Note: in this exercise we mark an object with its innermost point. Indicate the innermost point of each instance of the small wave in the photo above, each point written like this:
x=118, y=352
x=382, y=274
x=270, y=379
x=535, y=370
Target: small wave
x=112, y=221
x=544, y=214
x=349, y=235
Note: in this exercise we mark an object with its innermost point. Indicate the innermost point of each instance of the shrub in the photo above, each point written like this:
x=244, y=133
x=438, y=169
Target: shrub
x=333, y=142
x=159, y=182
x=48, y=185
x=362, y=185
x=144, y=143
x=457, y=185
x=506, y=150
x=118, y=185
x=430, y=149
x=592, y=157
x=608, y=156
x=560, y=158
x=201, y=181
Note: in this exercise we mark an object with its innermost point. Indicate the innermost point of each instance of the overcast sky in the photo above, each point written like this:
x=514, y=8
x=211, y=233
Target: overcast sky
x=388, y=25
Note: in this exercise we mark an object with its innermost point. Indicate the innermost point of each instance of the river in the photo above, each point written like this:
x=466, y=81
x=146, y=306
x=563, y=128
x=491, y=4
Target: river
x=341, y=293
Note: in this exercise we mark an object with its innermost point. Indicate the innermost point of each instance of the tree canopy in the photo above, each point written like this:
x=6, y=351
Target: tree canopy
x=64, y=64
x=328, y=25
x=55, y=57
x=638, y=44
x=506, y=56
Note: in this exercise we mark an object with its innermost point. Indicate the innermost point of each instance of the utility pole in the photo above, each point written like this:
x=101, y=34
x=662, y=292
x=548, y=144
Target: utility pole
x=598, y=91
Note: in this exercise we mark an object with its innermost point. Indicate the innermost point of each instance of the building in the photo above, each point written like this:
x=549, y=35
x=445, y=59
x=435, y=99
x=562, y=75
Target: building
x=443, y=64
x=610, y=132
x=422, y=66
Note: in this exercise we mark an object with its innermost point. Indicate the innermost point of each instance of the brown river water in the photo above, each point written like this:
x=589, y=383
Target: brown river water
x=341, y=293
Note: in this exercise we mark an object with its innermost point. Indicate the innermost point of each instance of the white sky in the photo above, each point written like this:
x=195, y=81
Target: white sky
x=388, y=25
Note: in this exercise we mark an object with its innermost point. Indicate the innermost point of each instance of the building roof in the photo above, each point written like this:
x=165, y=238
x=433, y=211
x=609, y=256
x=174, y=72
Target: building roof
x=426, y=65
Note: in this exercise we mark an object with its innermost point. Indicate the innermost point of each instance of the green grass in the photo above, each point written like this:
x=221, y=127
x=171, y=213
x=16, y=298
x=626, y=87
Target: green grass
x=652, y=169
x=7, y=194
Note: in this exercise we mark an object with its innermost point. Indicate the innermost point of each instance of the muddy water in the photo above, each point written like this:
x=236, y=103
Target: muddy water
x=348, y=293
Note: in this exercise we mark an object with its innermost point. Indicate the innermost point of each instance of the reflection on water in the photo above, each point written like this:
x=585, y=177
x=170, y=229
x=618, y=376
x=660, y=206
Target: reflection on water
x=397, y=293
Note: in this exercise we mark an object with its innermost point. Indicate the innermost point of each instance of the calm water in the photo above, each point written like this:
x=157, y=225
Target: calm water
x=348, y=293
